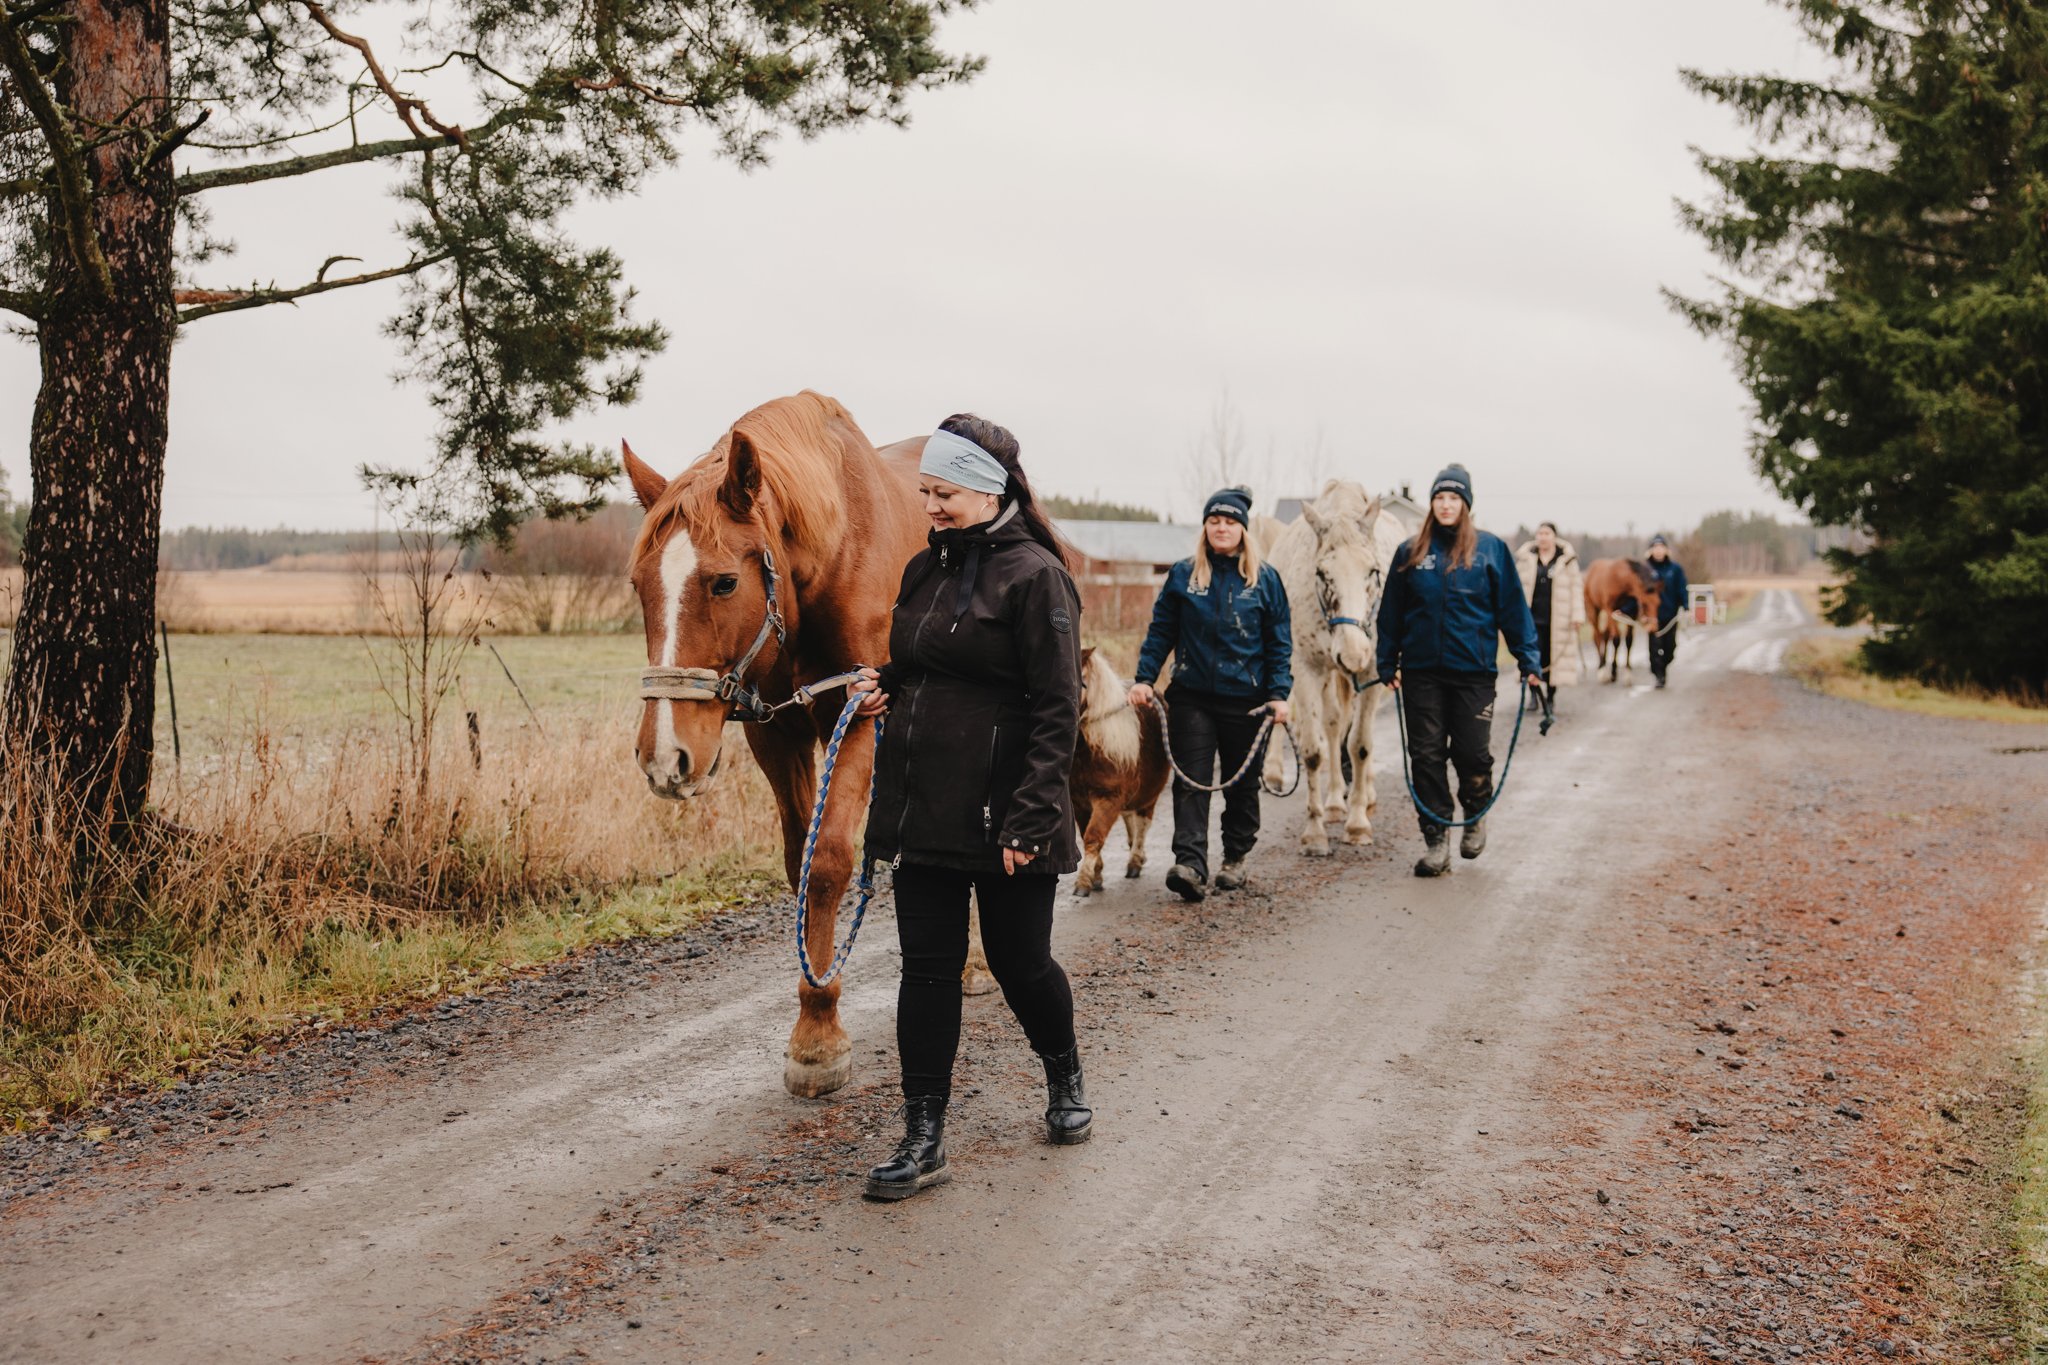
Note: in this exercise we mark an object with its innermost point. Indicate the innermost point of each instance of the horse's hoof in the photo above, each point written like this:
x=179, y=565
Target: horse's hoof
x=1358, y=837
x=1321, y=850
x=975, y=981
x=1134, y=871
x=808, y=1080
x=1334, y=815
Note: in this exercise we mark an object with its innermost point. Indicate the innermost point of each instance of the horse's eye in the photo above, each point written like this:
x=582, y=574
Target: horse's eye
x=724, y=585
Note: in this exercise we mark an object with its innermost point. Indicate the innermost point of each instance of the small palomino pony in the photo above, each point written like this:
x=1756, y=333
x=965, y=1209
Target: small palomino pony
x=768, y=566
x=1119, y=769
x=1334, y=562
x=1619, y=593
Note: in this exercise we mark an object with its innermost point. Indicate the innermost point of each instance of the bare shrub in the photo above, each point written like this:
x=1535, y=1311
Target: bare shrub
x=567, y=576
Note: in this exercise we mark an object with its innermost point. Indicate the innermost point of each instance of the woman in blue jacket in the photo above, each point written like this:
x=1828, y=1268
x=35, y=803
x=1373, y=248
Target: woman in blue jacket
x=1453, y=595
x=1223, y=616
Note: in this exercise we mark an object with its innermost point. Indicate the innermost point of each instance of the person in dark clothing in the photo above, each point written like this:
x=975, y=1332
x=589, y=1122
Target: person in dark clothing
x=1453, y=595
x=1223, y=615
x=1672, y=601
x=983, y=697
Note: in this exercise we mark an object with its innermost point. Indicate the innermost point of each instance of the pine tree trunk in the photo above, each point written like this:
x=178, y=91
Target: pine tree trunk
x=81, y=688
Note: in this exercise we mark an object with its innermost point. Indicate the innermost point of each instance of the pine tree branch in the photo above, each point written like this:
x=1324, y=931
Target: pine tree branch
x=74, y=195
x=405, y=105
x=22, y=301
x=22, y=188
x=208, y=302
x=225, y=176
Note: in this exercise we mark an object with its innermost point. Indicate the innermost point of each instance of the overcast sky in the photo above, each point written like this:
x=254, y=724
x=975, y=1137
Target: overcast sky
x=1395, y=235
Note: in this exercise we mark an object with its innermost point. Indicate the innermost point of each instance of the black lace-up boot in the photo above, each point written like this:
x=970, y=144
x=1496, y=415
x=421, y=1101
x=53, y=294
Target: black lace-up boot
x=920, y=1158
x=1068, y=1119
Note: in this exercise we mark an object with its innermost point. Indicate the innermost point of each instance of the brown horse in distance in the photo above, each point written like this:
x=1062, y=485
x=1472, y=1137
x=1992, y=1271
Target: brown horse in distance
x=798, y=480
x=1617, y=588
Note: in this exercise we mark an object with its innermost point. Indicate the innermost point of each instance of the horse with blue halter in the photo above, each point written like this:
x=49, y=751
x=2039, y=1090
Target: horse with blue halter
x=766, y=572
x=1334, y=561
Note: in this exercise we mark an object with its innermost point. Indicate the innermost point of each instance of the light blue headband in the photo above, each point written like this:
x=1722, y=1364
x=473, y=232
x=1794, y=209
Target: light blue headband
x=959, y=460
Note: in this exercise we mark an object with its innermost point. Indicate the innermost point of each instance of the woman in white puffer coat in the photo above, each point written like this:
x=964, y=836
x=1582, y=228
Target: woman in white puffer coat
x=1549, y=567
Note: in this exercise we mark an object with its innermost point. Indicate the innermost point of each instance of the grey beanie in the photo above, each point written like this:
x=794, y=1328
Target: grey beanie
x=1453, y=479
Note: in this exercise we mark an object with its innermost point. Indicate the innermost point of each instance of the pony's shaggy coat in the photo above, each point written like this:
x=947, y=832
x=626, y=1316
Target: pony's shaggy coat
x=1119, y=769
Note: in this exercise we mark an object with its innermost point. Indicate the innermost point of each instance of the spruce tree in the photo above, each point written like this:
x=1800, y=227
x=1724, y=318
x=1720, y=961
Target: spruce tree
x=122, y=121
x=1888, y=311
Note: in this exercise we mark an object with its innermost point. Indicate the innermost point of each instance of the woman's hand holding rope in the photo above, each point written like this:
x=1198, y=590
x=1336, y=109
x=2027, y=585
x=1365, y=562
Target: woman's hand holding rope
x=874, y=701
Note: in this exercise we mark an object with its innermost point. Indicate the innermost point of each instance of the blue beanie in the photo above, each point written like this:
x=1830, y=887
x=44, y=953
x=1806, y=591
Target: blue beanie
x=1659, y=540
x=1453, y=479
x=1235, y=503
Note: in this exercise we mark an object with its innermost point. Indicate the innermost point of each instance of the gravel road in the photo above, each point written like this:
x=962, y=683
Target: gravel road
x=1346, y=1115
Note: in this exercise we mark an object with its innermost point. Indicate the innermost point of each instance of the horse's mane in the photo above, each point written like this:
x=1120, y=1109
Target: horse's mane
x=801, y=462
x=1645, y=580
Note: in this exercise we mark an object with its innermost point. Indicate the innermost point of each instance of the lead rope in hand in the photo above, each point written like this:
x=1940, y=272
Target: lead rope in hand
x=867, y=866
x=1401, y=714
x=1257, y=752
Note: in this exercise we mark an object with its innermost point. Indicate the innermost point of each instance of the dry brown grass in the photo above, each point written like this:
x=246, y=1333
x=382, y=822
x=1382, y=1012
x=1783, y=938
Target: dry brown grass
x=300, y=877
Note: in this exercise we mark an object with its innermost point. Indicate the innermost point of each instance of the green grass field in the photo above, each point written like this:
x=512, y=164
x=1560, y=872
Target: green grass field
x=315, y=687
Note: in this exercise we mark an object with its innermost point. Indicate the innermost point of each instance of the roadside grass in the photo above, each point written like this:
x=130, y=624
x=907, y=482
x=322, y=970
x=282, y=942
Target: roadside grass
x=2028, y=1286
x=170, y=1004
x=300, y=872
x=1829, y=664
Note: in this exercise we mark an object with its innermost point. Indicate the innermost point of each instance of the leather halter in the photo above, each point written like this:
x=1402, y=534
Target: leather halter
x=658, y=683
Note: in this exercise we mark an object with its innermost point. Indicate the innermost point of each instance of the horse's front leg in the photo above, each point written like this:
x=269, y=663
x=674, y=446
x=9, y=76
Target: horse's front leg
x=1336, y=715
x=975, y=977
x=1364, y=795
x=820, y=1055
x=1316, y=766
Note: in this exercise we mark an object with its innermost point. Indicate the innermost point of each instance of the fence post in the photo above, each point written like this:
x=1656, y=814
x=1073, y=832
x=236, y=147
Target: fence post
x=171, y=685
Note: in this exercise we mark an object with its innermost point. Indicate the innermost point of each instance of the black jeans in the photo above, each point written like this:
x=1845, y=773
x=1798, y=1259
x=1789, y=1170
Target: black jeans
x=1016, y=931
x=1202, y=729
x=1662, y=648
x=1450, y=720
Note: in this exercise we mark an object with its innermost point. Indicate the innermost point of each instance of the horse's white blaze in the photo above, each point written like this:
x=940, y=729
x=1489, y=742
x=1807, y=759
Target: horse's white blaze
x=678, y=566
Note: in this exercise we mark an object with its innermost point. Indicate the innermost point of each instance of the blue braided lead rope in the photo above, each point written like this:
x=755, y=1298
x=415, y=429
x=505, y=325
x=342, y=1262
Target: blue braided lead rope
x=867, y=866
x=1401, y=714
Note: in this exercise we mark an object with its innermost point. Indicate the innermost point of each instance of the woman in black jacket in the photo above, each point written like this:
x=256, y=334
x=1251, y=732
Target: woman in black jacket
x=983, y=698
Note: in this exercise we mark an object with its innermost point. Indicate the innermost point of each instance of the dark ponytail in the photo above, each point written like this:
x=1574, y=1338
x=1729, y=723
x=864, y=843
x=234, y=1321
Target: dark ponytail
x=998, y=441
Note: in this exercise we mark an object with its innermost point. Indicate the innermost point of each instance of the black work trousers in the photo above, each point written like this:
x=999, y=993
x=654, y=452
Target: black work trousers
x=1450, y=721
x=1662, y=648
x=1016, y=932
x=1203, y=729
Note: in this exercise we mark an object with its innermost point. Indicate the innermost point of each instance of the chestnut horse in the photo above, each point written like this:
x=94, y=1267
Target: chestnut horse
x=1119, y=769
x=768, y=565
x=1617, y=588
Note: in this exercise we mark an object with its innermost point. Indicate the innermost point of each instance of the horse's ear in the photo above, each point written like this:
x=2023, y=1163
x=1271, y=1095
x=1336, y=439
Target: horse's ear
x=1313, y=518
x=648, y=486
x=742, y=477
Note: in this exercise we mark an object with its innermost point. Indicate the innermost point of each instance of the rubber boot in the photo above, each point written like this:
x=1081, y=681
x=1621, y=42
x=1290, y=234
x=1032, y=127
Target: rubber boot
x=1231, y=878
x=920, y=1158
x=1474, y=842
x=1183, y=882
x=1436, y=854
x=1549, y=710
x=1068, y=1119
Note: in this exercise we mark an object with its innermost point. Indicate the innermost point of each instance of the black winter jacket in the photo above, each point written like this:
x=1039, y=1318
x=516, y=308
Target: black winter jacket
x=984, y=685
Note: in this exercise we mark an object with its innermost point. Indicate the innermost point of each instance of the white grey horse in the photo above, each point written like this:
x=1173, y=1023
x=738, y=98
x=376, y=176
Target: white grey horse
x=1334, y=562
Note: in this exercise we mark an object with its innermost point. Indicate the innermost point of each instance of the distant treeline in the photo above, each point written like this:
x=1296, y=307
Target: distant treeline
x=1724, y=544
x=1095, y=509
x=198, y=548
